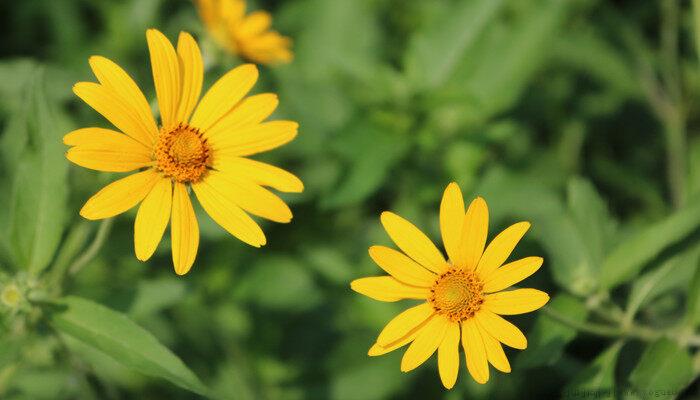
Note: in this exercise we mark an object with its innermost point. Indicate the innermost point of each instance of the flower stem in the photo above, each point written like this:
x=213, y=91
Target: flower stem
x=91, y=251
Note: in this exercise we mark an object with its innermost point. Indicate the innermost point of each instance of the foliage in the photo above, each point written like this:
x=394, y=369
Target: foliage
x=577, y=115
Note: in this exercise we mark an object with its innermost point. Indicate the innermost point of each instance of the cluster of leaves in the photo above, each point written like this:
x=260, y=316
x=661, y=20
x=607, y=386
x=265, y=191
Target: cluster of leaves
x=572, y=114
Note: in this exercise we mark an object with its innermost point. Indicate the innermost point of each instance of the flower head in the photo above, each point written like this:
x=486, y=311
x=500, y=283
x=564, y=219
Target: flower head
x=246, y=35
x=200, y=145
x=464, y=296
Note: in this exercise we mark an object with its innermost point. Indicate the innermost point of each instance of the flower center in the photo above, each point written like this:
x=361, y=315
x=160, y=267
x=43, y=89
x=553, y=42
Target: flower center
x=182, y=153
x=457, y=294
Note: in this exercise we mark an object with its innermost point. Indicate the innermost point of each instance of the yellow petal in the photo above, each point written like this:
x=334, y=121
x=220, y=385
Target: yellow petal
x=250, y=196
x=106, y=150
x=413, y=242
x=404, y=323
x=184, y=230
x=268, y=48
x=474, y=231
x=500, y=248
x=511, y=273
x=227, y=214
x=494, y=353
x=192, y=73
x=451, y=220
x=401, y=267
x=260, y=173
x=119, y=196
x=224, y=95
x=166, y=75
x=501, y=330
x=254, y=24
x=378, y=350
x=517, y=301
x=152, y=219
x=255, y=138
x=474, y=351
x=429, y=338
x=386, y=288
x=113, y=77
x=448, y=356
x=250, y=111
x=117, y=111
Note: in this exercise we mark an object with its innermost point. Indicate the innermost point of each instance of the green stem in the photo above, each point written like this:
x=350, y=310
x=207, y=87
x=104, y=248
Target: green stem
x=94, y=248
x=631, y=331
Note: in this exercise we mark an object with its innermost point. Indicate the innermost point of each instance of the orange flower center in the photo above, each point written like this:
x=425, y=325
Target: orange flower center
x=182, y=153
x=457, y=294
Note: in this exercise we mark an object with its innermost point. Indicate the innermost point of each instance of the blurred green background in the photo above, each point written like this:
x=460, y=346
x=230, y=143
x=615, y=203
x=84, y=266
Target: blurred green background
x=580, y=116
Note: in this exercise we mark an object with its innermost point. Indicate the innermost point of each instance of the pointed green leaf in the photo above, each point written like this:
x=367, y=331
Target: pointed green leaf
x=630, y=256
x=116, y=335
x=664, y=366
x=598, y=376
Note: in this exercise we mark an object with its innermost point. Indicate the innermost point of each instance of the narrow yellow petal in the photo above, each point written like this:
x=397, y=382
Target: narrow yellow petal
x=502, y=330
x=119, y=196
x=378, y=350
x=511, y=273
x=113, y=77
x=404, y=323
x=451, y=220
x=250, y=111
x=254, y=23
x=386, y=288
x=106, y=150
x=260, y=173
x=184, y=230
x=401, y=267
x=494, y=353
x=227, y=214
x=500, y=248
x=224, y=95
x=475, y=352
x=413, y=242
x=166, y=75
x=152, y=219
x=255, y=138
x=474, y=231
x=117, y=111
x=448, y=356
x=250, y=196
x=517, y=301
x=192, y=74
x=428, y=340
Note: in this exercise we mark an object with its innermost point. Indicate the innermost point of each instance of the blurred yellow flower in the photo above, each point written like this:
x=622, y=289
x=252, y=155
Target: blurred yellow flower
x=246, y=35
x=464, y=296
x=201, y=145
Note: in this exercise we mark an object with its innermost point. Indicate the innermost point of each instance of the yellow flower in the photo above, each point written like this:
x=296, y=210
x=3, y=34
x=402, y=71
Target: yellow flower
x=463, y=295
x=201, y=144
x=246, y=35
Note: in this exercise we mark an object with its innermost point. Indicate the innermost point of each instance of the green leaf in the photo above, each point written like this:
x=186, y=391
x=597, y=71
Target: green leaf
x=692, y=314
x=630, y=256
x=369, y=167
x=38, y=195
x=548, y=338
x=598, y=376
x=116, y=335
x=664, y=366
x=675, y=272
x=279, y=283
x=433, y=54
x=591, y=216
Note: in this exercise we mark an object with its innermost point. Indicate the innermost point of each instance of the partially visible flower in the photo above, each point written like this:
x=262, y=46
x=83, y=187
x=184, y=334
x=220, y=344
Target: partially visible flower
x=201, y=146
x=464, y=297
x=246, y=35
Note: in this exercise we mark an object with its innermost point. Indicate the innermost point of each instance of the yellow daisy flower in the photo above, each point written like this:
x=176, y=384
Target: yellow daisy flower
x=200, y=145
x=464, y=297
x=246, y=35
